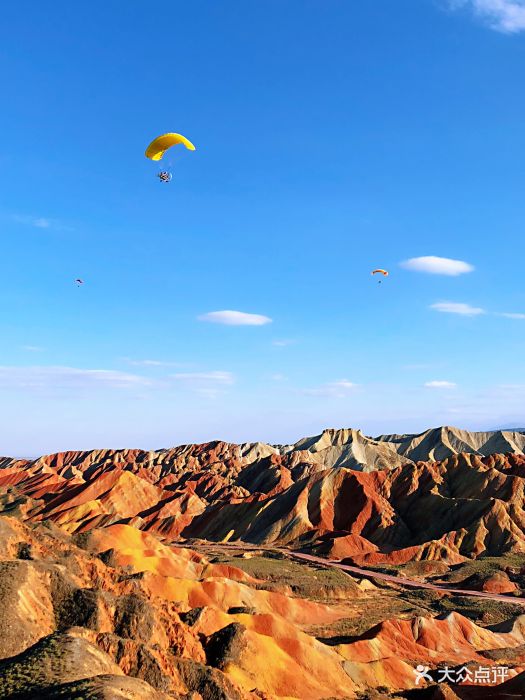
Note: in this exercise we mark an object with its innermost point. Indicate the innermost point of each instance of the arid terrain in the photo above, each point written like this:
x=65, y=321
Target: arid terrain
x=326, y=569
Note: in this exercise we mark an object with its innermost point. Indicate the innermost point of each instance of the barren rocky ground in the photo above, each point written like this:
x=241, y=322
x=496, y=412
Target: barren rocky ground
x=315, y=571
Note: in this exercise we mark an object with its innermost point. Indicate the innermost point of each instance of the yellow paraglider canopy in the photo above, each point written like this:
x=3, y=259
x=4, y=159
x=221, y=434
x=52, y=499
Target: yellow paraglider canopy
x=160, y=145
x=380, y=271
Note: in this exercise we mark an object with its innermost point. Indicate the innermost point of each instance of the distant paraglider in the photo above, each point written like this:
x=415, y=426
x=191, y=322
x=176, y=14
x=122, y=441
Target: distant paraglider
x=380, y=271
x=79, y=282
x=160, y=145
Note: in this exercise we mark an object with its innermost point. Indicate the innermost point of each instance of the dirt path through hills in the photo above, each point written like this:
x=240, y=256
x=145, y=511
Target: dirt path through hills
x=369, y=573
x=400, y=580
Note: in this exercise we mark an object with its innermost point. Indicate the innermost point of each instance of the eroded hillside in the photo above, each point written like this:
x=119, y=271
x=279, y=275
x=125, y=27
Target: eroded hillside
x=170, y=574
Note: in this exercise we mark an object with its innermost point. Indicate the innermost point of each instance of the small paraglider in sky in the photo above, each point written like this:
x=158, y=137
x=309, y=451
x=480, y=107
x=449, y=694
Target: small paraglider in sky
x=380, y=271
x=160, y=145
x=79, y=282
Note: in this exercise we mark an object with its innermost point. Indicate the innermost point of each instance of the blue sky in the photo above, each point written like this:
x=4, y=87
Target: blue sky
x=332, y=138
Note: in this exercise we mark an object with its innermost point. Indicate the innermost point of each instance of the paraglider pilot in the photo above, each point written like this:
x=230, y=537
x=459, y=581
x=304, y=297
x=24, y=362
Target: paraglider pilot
x=160, y=145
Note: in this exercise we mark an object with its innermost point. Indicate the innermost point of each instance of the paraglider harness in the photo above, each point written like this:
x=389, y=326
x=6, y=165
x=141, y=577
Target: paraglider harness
x=164, y=176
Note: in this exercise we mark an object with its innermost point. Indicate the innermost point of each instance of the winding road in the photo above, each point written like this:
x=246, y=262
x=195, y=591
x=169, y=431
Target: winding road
x=370, y=573
x=400, y=580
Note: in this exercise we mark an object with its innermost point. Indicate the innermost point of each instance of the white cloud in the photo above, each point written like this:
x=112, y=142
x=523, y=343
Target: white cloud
x=279, y=377
x=506, y=16
x=208, y=384
x=152, y=363
x=235, y=318
x=338, y=389
x=147, y=363
x=344, y=384
x=39, y=222
x=519, y=317
x=32, y=348
x=440, y=384
x=218, y=377
x=434, y=265
x=42, y=377
x=36, y=221
x=451, y=307
x=283, y=343
x=42, y=223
